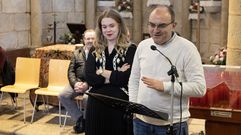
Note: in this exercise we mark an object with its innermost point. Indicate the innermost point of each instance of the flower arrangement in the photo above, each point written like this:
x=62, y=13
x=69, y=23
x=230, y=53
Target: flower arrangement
x=219, y=58
x=193, y=8
x=124, y=5
x=67, y=38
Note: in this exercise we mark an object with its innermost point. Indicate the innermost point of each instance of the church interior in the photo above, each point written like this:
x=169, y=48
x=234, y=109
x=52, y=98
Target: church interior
x=52, y=29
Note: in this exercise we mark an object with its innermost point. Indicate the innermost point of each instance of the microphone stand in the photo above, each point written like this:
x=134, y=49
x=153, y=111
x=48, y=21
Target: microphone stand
x=173, y=73
x=55, y=28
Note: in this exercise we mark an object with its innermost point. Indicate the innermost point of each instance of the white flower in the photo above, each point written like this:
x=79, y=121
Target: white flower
x=219, y=57
x=124, y=5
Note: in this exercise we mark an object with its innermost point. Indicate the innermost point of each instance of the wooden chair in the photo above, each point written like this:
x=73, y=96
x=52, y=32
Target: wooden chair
x=26, y=78
x=57, y=80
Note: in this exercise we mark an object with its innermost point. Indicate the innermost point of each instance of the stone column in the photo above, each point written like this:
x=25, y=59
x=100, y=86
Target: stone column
x=224, y=23
x=186, y=27
x=90, y=13
x=234, y=33
x=137, y=21
x=36, y=24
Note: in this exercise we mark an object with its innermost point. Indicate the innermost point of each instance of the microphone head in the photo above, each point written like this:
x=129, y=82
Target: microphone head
x=153, y=47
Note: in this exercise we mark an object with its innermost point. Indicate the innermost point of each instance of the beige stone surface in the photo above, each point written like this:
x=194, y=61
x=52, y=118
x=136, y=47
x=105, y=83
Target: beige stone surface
x=90, y=15
x=14, y=6
x=8, y=40
x=6, y=23
x=234, y=56
x=0, y=6
x=63, y=5
x=36, y=24
x=22, y=22
x=23, y=39
x=196, y=126
x=234, y=7
x=46, y=6
x=224, y=23
x=234, y=33
x=80, y=5
x=75, y=17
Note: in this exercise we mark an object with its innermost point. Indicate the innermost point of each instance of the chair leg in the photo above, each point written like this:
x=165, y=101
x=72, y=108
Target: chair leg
x=12, y=100
x=34, y=107
x=65, y=119
x=24, y=109
x=47, y=103
x=60, y=117
x=16, y=103
x=1, y=98
x=45, y=108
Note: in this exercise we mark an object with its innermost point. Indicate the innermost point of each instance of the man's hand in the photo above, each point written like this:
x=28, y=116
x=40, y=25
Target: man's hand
x=81, y=87
x=153, y=83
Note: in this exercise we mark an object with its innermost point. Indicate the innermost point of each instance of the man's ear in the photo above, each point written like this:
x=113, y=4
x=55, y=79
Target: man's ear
x=174, y=24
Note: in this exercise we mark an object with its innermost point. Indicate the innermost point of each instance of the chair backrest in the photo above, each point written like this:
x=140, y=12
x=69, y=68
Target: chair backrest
x=27, y=71
x=58, y=74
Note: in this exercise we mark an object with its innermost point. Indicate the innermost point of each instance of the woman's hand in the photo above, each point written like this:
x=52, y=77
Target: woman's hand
x=124, y=67
x=99, y=71
x=105, y=73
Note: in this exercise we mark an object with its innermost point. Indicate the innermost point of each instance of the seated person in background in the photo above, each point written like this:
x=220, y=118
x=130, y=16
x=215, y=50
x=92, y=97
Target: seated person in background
x=7, y=72
x=2, y=61
x=77, y=81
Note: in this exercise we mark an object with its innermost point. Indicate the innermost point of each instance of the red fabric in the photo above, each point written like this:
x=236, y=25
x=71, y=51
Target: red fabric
x=223, y=89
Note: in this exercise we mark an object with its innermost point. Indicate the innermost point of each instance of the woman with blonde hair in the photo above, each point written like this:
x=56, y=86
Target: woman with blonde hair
x=107, y=72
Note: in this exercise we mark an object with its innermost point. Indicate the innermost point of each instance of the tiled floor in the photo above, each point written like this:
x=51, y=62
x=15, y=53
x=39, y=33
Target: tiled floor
x=196, y=126
x=11, y=121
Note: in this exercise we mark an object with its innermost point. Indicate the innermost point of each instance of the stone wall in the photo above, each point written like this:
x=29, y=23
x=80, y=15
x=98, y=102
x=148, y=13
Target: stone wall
x=15, y=20
x=210, y=34
x=14, y=24
x=63, y=12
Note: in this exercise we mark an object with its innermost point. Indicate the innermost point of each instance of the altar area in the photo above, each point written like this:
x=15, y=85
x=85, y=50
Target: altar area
x=221, y=106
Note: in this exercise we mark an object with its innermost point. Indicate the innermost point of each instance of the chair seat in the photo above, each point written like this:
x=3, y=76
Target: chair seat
x=18, y=88
x=49, y=91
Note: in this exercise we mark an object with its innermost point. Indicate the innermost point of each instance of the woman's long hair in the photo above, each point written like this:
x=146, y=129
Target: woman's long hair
x=122, y=38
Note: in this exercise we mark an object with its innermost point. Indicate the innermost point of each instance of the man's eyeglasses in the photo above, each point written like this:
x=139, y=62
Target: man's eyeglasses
x=159, y=26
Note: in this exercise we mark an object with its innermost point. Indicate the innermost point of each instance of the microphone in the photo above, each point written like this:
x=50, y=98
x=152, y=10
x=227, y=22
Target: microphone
x=173, y=73
x=173, y=70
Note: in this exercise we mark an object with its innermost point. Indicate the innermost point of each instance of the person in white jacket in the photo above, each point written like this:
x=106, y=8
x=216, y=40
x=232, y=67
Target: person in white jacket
x=149, y=83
